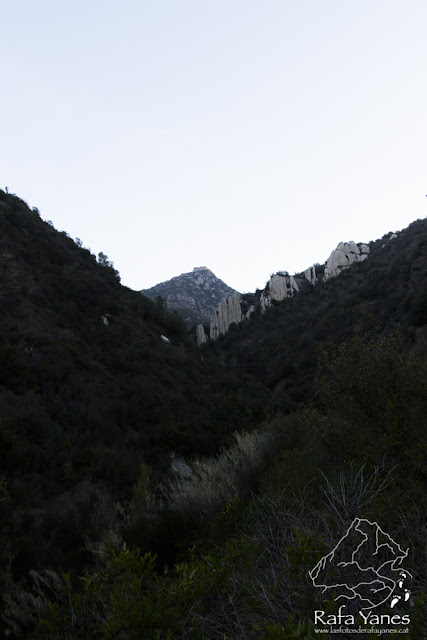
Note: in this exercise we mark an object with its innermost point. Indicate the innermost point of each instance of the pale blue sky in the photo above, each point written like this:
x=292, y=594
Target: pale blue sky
x=246, y=135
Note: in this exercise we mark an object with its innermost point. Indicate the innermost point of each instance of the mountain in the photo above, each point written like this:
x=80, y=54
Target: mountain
x=194, y=295
x=116, y=435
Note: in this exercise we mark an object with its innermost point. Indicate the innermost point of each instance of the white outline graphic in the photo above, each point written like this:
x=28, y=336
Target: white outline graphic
x=380, y=582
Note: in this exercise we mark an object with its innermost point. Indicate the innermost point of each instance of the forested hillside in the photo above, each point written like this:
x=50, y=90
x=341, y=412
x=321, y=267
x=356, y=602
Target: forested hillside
x=95, y=380
x=385, y=292
x=292, y=425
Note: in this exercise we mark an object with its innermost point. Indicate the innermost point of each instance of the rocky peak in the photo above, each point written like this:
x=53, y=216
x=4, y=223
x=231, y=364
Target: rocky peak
x=201, y=269
x=195, y=295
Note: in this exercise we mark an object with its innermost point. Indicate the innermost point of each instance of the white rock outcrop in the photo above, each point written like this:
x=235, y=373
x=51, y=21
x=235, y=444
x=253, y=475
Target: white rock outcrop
x=343, y=256
x=250, y=311
x=293, y=285
x=282, y=285
x=227, y=312
x=310, y=274
x=278, y=287
x=200, y=335
x=265, y=301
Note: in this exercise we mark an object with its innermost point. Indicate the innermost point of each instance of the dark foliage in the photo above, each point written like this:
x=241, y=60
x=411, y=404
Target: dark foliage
x=89, y=388
x=100, y=386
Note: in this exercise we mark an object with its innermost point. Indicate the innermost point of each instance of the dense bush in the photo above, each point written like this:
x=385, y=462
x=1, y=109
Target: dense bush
x=214, y=482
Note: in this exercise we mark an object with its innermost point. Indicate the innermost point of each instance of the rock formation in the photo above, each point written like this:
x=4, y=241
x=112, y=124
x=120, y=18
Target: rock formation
x=279, y=287
x=282, y=286
x=310, y=274
x=195, y=295
x=200, y=335
x=227, y=312
x=343, y=256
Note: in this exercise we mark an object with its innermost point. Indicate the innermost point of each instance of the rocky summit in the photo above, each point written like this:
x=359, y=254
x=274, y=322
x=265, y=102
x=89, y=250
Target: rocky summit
x=195, y=295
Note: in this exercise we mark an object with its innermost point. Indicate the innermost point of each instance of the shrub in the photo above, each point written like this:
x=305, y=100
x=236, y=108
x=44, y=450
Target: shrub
x=217, y=481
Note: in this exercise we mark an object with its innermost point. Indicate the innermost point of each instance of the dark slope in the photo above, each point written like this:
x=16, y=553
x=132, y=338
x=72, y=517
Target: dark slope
x=89, y=389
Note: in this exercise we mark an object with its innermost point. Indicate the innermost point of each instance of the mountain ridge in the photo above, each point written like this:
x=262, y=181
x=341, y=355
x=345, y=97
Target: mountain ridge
x=194, y=294
x=219, y=305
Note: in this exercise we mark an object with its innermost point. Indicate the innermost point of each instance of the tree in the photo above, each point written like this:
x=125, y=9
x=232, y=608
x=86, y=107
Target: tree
x=104, y=260
x=370, y=400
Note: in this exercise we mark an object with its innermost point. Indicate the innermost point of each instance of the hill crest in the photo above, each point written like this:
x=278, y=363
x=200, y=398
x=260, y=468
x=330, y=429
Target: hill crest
x=195, y=294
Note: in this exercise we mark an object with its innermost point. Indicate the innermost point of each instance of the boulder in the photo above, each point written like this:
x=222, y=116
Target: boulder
x=343, y=256
x=278, y=287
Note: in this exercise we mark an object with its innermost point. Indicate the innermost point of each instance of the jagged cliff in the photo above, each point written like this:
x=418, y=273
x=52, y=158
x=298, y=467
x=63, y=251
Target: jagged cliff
x=281, y=286
x=228, y=311
x=195, y=295
x=343, y=256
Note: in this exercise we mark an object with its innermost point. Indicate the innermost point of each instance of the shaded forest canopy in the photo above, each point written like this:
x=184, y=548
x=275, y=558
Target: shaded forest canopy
x=294, y=423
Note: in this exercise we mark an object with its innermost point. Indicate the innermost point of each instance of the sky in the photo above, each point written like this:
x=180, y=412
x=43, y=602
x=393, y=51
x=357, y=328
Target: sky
x=248, y=136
